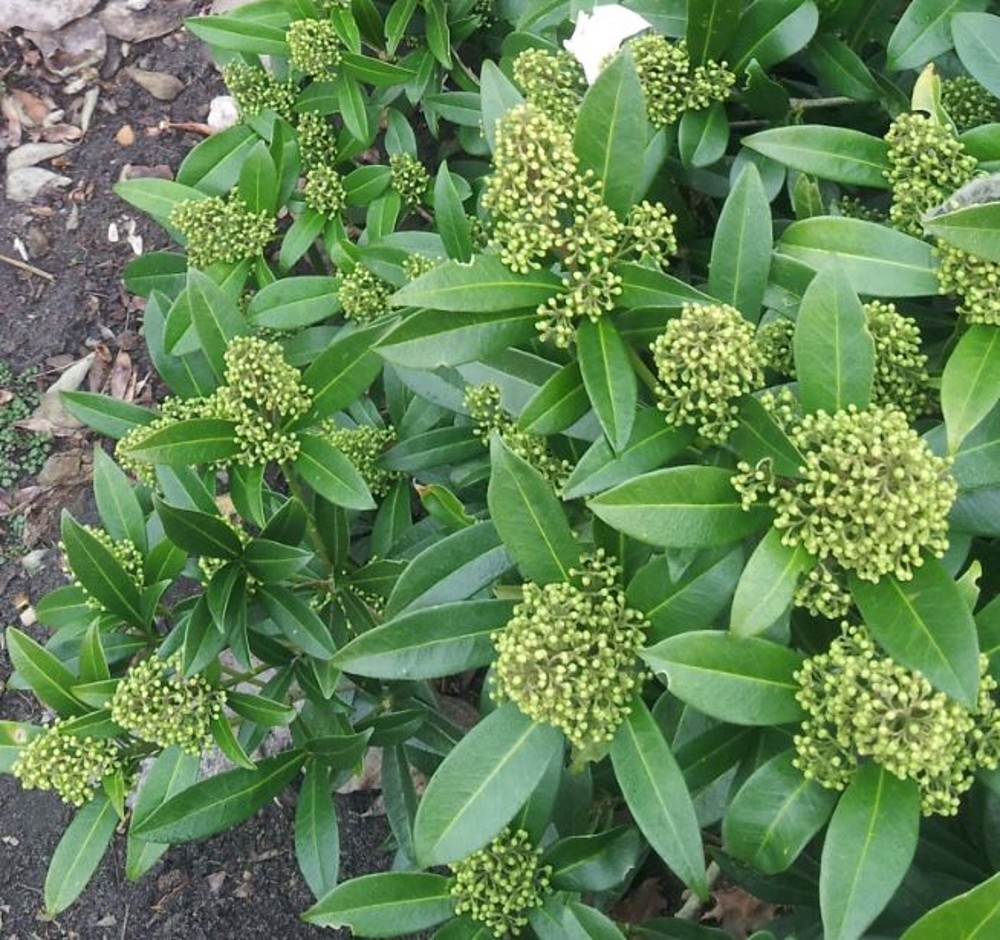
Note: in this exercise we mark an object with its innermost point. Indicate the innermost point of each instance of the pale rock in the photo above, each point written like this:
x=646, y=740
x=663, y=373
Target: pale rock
x=139, y=20
x=73, y=48
x=161, y=85
x=25, y=184
x=223, y=113
x=42, y=15
x=33, y=154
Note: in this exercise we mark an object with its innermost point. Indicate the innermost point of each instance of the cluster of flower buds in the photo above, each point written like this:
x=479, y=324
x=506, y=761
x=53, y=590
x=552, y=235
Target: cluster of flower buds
x=553, y=82
x=156, y=703
x=862, y=704
x=567, y=657
x=706, y=359
x=364, y=446
x=324, y=190
x=967, y=103
x=72, y=766
x=409, y=178
x=257, y=91
x=500, y=885
x=364, y=296
x=317, y=140
x=221, y=229
x=315, y=48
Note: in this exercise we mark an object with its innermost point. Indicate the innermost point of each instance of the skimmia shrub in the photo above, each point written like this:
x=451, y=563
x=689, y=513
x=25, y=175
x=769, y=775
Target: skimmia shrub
x=641, y=390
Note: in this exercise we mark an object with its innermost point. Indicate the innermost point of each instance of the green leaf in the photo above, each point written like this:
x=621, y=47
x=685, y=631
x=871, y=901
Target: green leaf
x=775, y=814
x=429, y=339
x=611, y=131
x=352, y=108
x=647, y=287
x=771, y=31
x=484, y=285
x=79, y=852
x=702, y=135
x=428, y=643
x=529, y=518
x=759, y=437
x=365, y=184
x=834, y=353
x=436, y=448
x=925, y=625
x=609, y=378
x=481, y=784
x=198, y=532
x=225, y=739
x=973, y=915
x=741, y=247
x=969, y=387
x=868, y=849
x=558, y=404
x=343, y=370
x=742, y=680
x=767, y=585
x=317, y=835
x=100, y=572
x=977, y=42
x=298, y=622
x=449, y=214
x=924, y=31
x=258, y=180
x=680, y=507
x=220, y=802
x=213, y=166
x=195, y=441
x=271, y=562
x=711, y=24
x=839, y=154
x=47, y=677
x=877, y=260
x=240, y=34
x=117, y=503
x=260, y=709
x=105, y=414
x=657, y=796
x=372, y=71
x=385, y=904
x=158, y=270
x=453, y=569
x=597, y=862
x=156, y=197
x=331, y=474
x=840, y=70
x=974, y=228
x=294, y=302
x=498, y=96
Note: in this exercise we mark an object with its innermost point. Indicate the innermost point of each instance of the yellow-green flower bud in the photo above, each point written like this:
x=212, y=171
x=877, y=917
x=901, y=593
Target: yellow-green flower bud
x=409, y=178
x=553, y=82
x=317, y=140
x=315, y=48
x=325, y=191
x=364, y=446
x=156, y=703
x=968, y=104
x=74, y=767
x=901, y=377
x=705, y=360
x=774, y=340
x=221, y=229
x=257, y=91
x=500, y=885
x=976, y=281
x=567, y=657
x=364, y=296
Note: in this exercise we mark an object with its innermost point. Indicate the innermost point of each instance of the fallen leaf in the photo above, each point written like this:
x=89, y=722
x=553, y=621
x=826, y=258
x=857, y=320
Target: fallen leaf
x=65, y=468
x=29, y=182
x=161, y=85
x=739, y=914
x=370, y=777
x=50, y=417
x=73, y=48
x=33, y=154
x=31, y=109
x=642, y=903
x=123, y=377
x=61, y=133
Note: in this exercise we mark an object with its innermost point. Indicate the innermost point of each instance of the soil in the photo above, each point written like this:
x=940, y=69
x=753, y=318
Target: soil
x=244, y=883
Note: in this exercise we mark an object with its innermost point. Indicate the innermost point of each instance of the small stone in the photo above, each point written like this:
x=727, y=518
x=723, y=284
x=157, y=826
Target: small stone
x=43, y=17
x=33, y=154
x=161, y=85
x=223, y=113
x=125, y=136
x=28, y=182
x=139, y=20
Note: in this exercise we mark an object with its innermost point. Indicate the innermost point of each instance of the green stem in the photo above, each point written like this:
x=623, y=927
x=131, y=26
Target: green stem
x=314, y=537
x=642, y=370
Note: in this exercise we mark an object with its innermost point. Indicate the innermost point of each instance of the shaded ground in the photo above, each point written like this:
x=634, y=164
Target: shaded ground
x=244, y=883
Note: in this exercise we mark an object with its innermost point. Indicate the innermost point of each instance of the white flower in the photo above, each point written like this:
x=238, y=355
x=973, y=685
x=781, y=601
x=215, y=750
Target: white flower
x=600, y=34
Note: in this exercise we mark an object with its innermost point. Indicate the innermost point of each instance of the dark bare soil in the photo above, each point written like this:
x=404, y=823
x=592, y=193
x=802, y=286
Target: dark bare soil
x=244, y=883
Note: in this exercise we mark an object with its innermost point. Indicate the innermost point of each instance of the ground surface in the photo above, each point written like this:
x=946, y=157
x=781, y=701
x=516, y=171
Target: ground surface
x=245, y=883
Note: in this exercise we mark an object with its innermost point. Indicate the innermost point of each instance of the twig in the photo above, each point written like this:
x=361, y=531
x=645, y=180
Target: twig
x=694, y=904
x=30, y=268
x=803, y=104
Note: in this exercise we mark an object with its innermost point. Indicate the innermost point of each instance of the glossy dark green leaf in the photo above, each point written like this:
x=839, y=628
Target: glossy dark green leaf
x=343, y=370
x=499, y=95
x=481, y=784
x=260, y=709
x=385, y=904
x=771, y=31
x=680, y=507
x=924, y=31
x=294, y=302
x=449, y=214
x=226, y=741
x=436, y=448
x=213, y=166
x=767, y=585
x=977, y=42
x=594, y=862
x=484, y=285
x=608, y=378
x=969, y=389
x=220, y=802
x=78, y=853
x=839, y=154
x=867, y=851
x=105, y=414
x=924, y=624
x=834, y=352
x=373, y=71
x=453, y=569
x=317, y=835
x=331, y=474
x=759, y=437
x=117, y=503
x=711, y=24
x=973, y=915
x=657, y=796
x=840, y=70
x=558, y=404
x=529, y=518
x=258, y=180
x=155, y=196
x=199, y=532
x=611, y=131
x=45, y=675
x=239, y=34
x=741, y=246
x=195, y=441
x=877, y=260
x=702, y=135
x=742, y=680
x=427, y=643
x=353, y=110
x=775, y=814
x=298, y=622
x=647, y=287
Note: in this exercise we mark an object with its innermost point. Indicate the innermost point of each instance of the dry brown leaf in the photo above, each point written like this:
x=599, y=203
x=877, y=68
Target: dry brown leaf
x=737, y=913
x=12, y=122
x=123, y=378
x=61, y=133
x=100, y=369
x=65, y=468
x=50, y=417
x=643, y=902
x=31, y=109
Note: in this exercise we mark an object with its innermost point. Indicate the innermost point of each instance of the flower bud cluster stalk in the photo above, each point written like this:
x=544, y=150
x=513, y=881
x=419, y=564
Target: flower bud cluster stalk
x=483, y=404
x=156, y=703
x=870, y=498
x=567, y=657
x=221, y=229
x=861, y=704
x=705, y=360
x=545, y=207
x=72, y=766
x=500, y=885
